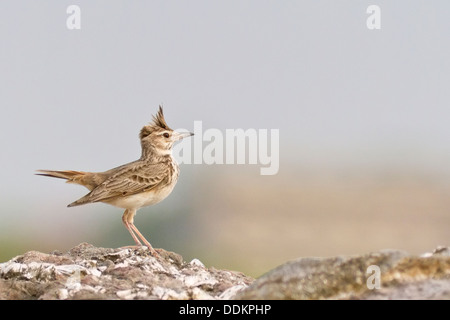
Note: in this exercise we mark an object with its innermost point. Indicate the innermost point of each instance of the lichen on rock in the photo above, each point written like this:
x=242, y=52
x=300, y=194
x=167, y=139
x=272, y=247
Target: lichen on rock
x=401, y=276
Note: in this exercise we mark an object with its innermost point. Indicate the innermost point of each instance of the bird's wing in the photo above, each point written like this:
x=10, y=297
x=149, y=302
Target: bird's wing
x=128, y=181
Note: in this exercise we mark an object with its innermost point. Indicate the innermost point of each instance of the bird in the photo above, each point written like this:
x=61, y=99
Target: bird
x=137, y=184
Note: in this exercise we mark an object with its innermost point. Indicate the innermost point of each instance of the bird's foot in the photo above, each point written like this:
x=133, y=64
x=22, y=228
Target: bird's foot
x=153, y=252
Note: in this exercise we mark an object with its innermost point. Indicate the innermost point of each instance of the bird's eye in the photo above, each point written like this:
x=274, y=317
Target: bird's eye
x=166, y=135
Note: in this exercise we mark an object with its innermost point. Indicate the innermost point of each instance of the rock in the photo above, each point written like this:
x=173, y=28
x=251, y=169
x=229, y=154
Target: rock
x=401, y=276
x=88, y=272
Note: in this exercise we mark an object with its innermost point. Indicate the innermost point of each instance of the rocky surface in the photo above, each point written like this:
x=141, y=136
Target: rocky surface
x=388, y=274
x=88, y=272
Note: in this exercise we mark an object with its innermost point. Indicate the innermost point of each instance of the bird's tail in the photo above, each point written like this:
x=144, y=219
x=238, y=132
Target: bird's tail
x=70, y=175
x=89, y=180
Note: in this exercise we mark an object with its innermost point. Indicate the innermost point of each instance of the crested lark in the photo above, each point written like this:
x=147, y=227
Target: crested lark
x=136, y=184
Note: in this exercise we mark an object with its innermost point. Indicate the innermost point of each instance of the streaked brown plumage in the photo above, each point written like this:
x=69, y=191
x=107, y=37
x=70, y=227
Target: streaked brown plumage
x=137, y=184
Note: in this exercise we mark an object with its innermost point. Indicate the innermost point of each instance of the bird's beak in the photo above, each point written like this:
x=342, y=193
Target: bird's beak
x=178, y=136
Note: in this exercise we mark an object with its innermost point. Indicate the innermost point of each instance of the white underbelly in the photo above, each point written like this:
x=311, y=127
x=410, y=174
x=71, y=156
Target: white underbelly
x=144, y=199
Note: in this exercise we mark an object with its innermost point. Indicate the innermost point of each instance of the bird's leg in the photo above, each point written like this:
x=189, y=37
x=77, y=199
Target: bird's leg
x=149, y=246
x=125, y=219
x=128, y=220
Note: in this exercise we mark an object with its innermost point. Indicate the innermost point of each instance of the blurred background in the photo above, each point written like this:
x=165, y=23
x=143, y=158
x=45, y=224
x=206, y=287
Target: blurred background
x=363, y=117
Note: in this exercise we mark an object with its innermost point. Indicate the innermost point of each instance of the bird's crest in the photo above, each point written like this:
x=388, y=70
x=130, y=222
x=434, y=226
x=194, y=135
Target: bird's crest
x=158, y=123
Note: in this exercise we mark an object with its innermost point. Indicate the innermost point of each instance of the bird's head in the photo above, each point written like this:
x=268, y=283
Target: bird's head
x=157, y=138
